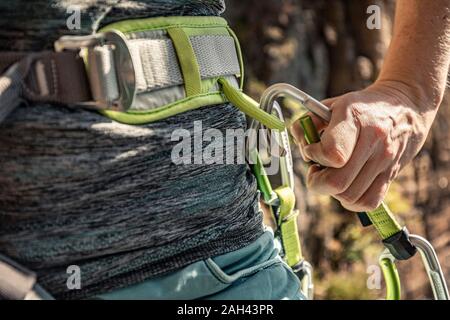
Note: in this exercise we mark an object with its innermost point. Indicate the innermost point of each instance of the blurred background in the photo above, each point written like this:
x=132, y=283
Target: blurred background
x=324, y=48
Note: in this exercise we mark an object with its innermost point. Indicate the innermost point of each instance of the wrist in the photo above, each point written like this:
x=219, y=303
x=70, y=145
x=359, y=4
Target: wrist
x=418, y=111
x=426, y=97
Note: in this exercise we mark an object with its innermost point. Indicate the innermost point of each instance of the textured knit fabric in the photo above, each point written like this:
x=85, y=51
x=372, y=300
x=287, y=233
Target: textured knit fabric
x=79, y=189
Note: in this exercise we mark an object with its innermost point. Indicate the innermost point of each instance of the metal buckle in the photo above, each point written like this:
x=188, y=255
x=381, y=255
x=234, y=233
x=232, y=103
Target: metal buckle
x=125, y=72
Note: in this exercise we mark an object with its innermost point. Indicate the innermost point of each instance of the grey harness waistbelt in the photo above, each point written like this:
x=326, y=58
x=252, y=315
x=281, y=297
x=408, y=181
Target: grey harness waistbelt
x=61, y=77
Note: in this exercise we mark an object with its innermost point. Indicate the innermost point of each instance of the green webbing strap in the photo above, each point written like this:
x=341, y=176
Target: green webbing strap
x=287, y=217
x=188, y=61
x=287, y=224
x=261, y=177
x=249, y=106
x=239, y=53
x=384, y=221
x=382, y=218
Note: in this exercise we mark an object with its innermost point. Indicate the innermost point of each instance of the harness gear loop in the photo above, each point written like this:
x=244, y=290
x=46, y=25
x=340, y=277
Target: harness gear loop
x=399, y=244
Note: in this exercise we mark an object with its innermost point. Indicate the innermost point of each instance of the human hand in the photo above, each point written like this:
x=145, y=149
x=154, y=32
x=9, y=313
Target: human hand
x=372, y=135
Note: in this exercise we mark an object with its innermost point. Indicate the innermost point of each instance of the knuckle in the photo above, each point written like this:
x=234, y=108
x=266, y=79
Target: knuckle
x=380, y=132
x=389, y=153
x=382, y=138
x=348, y=198
x=381, y=135
x=370, y=203
x=335, y=157
x=356, y=111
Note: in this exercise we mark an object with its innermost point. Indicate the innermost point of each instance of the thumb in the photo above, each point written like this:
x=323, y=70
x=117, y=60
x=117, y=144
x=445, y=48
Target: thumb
x=338, y=139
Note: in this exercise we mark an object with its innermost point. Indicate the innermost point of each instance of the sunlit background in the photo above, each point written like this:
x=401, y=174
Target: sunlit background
x=325, y=48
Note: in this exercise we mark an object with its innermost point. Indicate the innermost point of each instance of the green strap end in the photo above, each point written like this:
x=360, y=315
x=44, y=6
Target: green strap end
x=250, y=107
x=309, y=130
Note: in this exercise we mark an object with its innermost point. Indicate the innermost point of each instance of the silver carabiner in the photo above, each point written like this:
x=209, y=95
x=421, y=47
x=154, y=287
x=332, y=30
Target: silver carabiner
x=432, y=267
x=272, y=147
x=270, y=105
x=284, y=90
x=285, y=155
x=304, y=271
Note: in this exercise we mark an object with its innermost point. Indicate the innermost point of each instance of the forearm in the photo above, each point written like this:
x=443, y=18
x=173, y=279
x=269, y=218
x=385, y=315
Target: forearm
x=419, y=55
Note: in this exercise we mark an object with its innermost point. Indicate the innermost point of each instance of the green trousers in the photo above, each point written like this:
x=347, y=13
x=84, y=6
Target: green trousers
x=253, y=272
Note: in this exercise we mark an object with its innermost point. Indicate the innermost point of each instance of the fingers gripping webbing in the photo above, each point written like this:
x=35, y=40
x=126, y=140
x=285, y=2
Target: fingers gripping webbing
x=394, y=237
x=382, y=218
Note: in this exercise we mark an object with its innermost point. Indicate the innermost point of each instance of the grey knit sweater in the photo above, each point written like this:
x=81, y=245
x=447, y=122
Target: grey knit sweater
x=79, y=189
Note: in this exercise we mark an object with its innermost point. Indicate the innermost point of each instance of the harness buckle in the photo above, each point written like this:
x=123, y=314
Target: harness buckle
x=110, y=68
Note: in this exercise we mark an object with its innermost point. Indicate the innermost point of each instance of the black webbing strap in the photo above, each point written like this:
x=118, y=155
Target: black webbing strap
x=57, y=77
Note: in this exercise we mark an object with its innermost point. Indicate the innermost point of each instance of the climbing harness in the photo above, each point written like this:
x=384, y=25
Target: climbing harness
x=134, y=72
x=144, y=70
x=400, y=245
